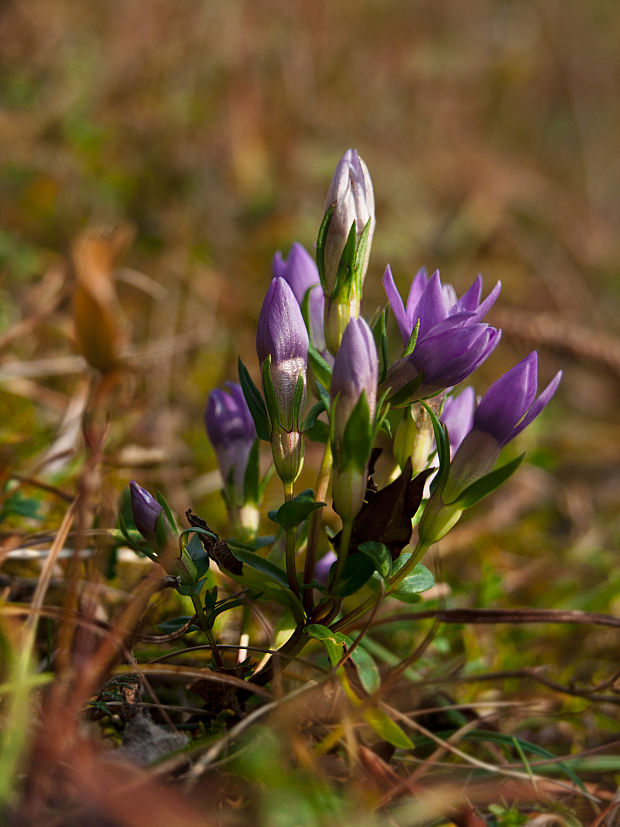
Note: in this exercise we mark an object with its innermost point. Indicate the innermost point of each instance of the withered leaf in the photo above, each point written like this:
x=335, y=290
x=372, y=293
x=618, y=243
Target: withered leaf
x=217, y=549
x=385, y=516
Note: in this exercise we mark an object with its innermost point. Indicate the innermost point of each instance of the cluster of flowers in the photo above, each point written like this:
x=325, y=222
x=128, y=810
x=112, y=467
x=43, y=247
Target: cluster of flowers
x=311, y=336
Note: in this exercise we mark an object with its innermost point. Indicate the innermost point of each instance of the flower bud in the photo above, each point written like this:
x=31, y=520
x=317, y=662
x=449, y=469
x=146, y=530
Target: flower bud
x=352, y=197
x=232, y=432
x=282, y=339
x=414, y=439
x=353, y=392
x=301, y=274
x=145, y=510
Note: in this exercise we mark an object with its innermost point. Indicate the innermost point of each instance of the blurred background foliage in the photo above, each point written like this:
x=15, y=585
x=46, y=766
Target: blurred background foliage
x=208, y=130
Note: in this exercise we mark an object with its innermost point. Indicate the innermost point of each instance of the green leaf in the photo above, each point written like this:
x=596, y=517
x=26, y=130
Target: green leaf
x=198, y=555
x=320, y=245
x=366, y=669
x=420, y=580
x=255, y=403
x=358, y=569
x=255, y=561
x=323, y=394
x=380, y=556
x=485, y=485
x=319, y=432
x=388, y=729
x=189, y=589
x=293, y=512
x=174, y=624
x=358, y=436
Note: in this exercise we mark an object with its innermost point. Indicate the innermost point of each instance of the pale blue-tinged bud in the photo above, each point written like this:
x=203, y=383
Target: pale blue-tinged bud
x=145, y=510
x=351, y=194
x=300, y=272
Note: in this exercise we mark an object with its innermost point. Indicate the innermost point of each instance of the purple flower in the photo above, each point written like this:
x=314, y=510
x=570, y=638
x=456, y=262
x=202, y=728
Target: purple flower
x=509, y=406
x=321, y=570
x=447, y=355
x=282, y=334
x=301, y=274
x=232, y=432
x=452, y=341
x=431, y=302
x=458, y=416
x=145, y=510
x=351, y=194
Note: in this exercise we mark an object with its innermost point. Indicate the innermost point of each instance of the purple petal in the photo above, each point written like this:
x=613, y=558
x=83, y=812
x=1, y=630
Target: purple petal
x=470, y=300
x=508, y=399
x=537, y=406
x=415, y=294
x=432, y=307
x=281, y=330
x=458, y=416
x=396, y=303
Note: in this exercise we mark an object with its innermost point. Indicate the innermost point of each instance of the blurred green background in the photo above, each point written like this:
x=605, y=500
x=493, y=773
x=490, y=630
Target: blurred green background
x=491, y=130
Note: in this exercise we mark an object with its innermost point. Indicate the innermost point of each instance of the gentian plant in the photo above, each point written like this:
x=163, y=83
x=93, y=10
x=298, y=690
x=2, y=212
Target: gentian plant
x=353, y=543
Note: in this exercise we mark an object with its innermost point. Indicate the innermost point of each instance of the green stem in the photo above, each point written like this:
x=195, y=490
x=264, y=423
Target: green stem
x=316, y=523
x=206, y=628
x=343, y=552
x=291, y=543
x=419, y=552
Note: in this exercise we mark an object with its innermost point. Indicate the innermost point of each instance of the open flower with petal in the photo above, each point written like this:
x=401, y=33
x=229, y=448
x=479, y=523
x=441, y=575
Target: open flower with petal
x=508, y=407
x=458, y=416
x=452, y=341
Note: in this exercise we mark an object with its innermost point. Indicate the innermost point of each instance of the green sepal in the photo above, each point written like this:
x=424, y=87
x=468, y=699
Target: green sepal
x=160, y=530
x=358, y=437
x=255, y=403
x=271, y=400
x=128, y=529
x=198, y=555
x=320, y=245
x=360, y=256
x=313, y=414
x=251, y=479
x=162, y=501
x=443, y=449
x=485, y=485
x=295, y=511
x=336, y=645
x=379, y=332
x=320, y=366
x=298, y=398
x=319, y=432
x=357, y=571
x=323, y=393
x=409, y=347
x=345, y=275
x=406, y=394
x=380, y=555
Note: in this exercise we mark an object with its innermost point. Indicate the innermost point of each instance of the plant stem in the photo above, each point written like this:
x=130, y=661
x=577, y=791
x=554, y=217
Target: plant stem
x=204, y=625
x=291, y=542
x=316, y=522
x=417, y=554
x=343, y=552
